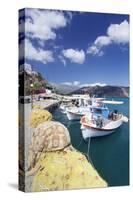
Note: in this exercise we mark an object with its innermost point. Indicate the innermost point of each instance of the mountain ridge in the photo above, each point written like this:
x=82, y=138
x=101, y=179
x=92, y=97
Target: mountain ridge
x=100, y=91
x=105, y=91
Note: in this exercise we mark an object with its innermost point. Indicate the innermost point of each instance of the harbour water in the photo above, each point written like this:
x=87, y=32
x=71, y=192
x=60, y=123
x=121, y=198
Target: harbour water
x=109, y=154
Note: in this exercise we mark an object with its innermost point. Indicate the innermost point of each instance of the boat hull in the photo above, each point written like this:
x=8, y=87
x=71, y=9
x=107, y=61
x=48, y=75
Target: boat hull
x=73, y=116
x=77, y=113
x=63, y=111
x=63, y=108
x=90, y=132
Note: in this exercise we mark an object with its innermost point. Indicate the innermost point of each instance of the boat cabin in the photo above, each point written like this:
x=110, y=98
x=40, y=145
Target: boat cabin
x=100, y=111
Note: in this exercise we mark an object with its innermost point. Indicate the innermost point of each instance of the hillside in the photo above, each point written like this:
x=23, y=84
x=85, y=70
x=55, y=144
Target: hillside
x=30, y=81
x=64, y=89
x=104, y=91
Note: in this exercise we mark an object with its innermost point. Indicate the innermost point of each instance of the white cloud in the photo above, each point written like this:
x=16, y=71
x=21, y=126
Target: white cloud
x=75, y=56
x=42, y=24
x=119, y=33
x=102, y=41
x=93, y=84
x=67, y=83
x=32, y=53
x=74, y=83
x=95, y=50
x=116, y=34
x=62, y=60
x=98, y=84
x=79, y=84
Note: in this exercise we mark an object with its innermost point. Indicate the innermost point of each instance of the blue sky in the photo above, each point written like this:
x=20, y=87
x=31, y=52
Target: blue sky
x=76, y=48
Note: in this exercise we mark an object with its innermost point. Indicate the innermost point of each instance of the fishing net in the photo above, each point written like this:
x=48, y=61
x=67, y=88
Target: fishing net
x=38, y=116
x=37, y=107
x=65, y=170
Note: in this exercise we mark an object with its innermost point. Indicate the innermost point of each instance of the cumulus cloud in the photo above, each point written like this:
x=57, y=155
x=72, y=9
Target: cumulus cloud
x=75, y=56
x=33, y=53
x=102, y=41
x=119, y=33
x=116, y=34
x=42, y=24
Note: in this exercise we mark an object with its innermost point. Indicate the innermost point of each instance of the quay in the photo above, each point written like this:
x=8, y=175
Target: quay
x=48, y=104
x=47, y=101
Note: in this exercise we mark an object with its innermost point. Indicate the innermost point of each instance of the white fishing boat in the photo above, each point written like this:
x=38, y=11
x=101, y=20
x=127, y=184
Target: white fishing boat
x=72, y=106
x=84, y=107
x=75, y=113
x=67, y=102
x=100, y=121
x=63, y=108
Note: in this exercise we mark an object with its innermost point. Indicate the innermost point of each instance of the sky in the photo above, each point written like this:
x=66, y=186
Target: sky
x=76, y=48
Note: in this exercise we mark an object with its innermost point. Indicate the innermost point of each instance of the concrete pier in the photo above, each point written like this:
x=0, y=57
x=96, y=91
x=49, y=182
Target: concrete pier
x=49, y=104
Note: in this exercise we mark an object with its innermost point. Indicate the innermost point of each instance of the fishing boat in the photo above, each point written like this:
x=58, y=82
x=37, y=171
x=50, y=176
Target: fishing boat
x=74, y=106
x=63, y=107
x=100, y=121
x=75, y=113
x=66, y=102
x=84, y=107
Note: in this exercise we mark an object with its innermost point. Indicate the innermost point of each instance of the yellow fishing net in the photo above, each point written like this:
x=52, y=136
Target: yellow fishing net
x=65, y=170
x=37, y=107
x=38, y=116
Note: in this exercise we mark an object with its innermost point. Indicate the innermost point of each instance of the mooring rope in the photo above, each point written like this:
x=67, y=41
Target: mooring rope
x=88, y=149
x=80, y=143
x=88, y=152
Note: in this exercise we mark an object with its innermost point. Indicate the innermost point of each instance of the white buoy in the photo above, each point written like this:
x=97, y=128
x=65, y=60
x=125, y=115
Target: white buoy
x=125, y=119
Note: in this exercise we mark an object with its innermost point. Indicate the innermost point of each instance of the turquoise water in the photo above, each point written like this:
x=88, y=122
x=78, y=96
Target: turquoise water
x=109, y=154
